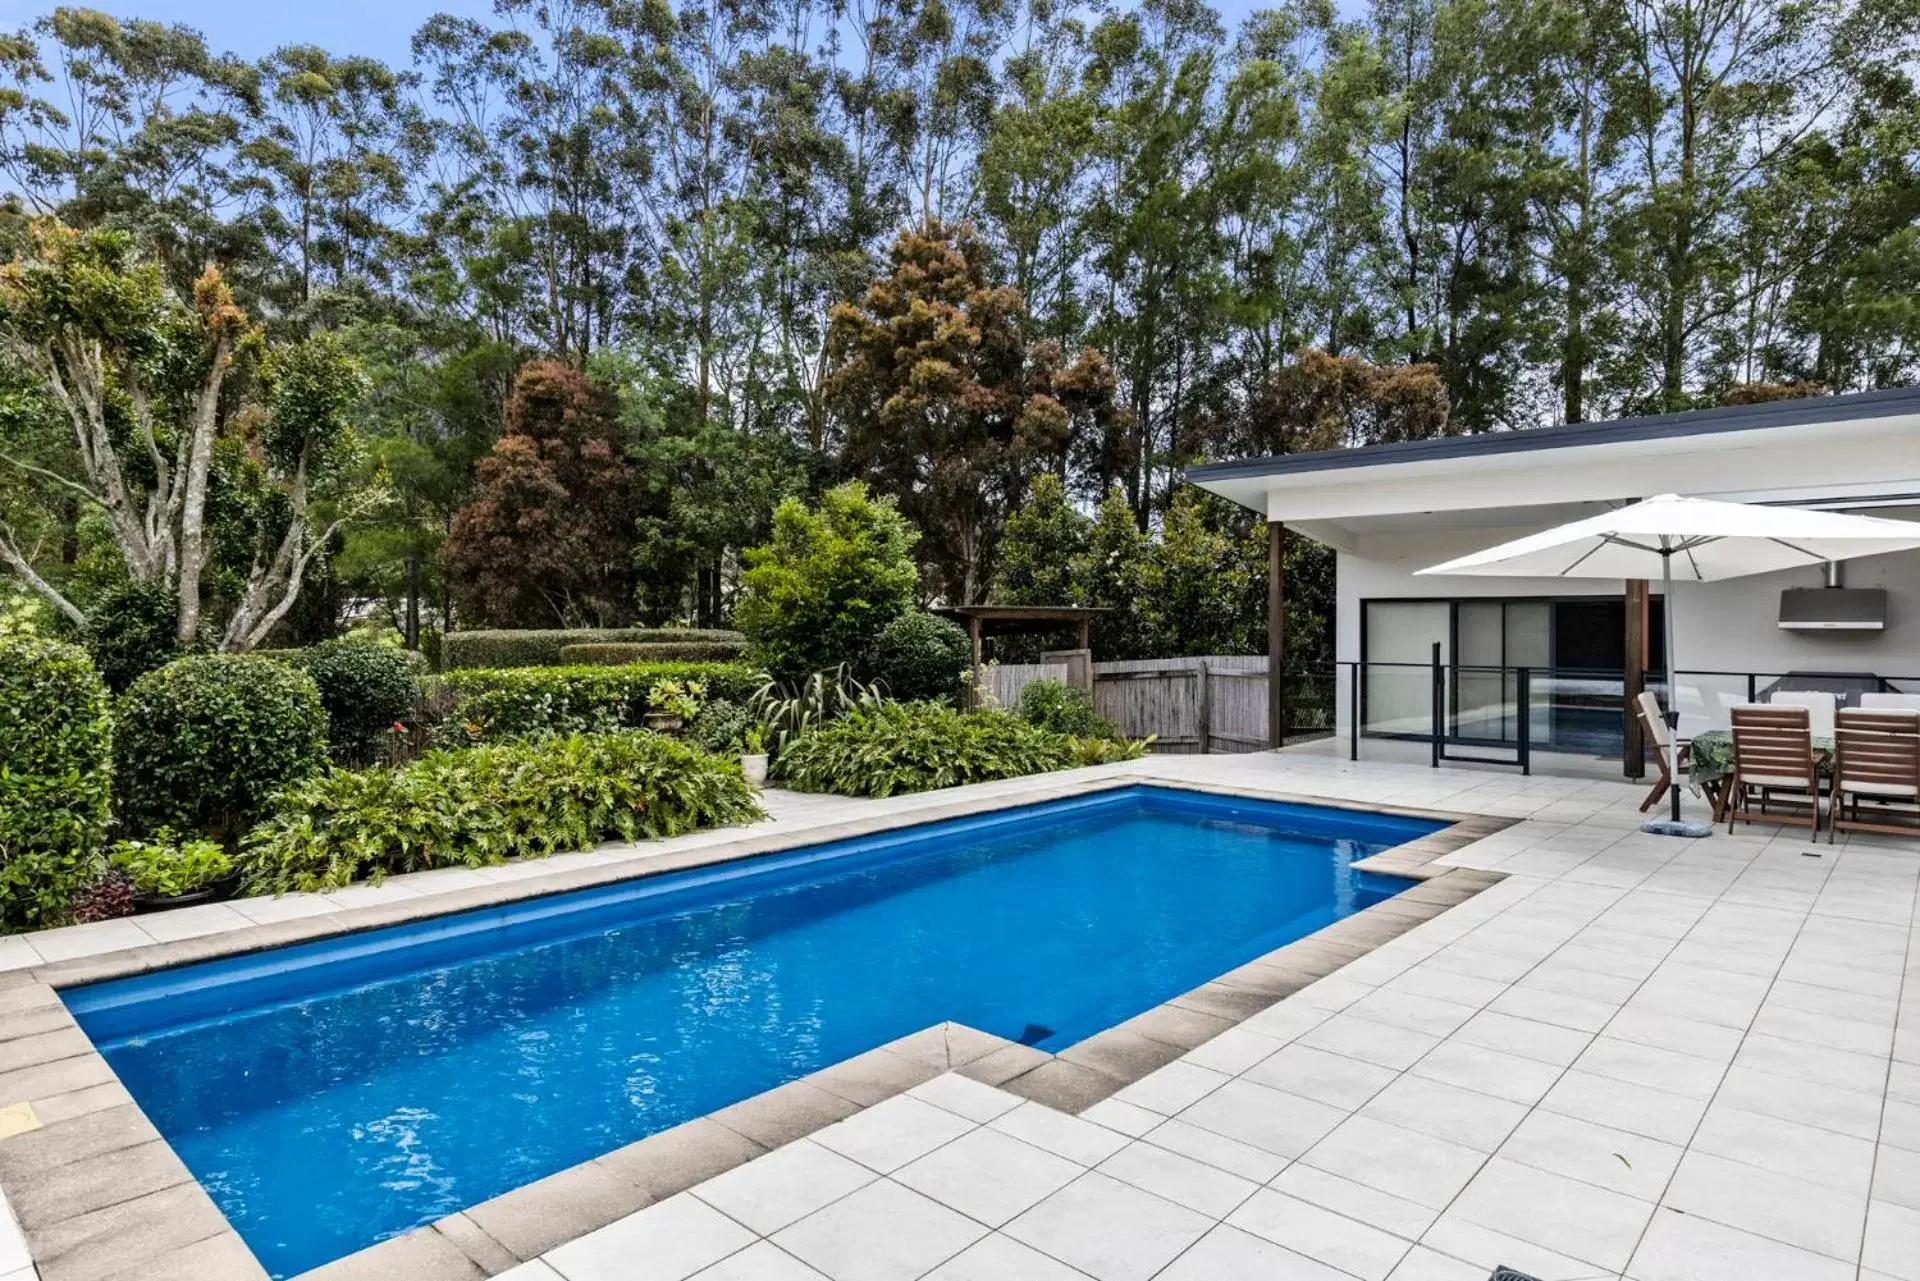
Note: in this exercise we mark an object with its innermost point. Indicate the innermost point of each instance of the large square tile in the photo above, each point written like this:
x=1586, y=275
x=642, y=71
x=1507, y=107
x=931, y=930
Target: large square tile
x=1382, y=1044
x=1622, y=1105
x=1324, y=1077
x=1474, y=1067
x=1467, y=1117
x=784, y=1186
x=1001, y=1258
x=1168, y=1089
x=761, y=1261
x=1630, y=1164
x=1108, y=1229
x=1416, y=1167
x=1319, y=1234
x=1180, y=1179
x=989, y=1176
x=666, y=1242
x=883, y=1232
x=1569, y=1217
x=1680, y=1247
x=1343, y=1196
x=1217, y=1150
x=1893, y=1241
x=1794, y=1211
x=1081, y=1142
x=1282, y=1123
x=965, y=1097
x=1227, y=1252
x=889, y=1134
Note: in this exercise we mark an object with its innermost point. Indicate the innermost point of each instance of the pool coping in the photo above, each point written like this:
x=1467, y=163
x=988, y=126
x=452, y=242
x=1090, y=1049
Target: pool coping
x=101, y=1195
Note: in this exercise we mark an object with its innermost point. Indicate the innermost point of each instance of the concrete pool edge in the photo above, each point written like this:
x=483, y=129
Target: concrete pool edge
x=101, y=1194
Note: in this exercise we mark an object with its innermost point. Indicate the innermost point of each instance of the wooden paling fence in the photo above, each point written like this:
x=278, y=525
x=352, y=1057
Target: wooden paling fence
x=1211, y=703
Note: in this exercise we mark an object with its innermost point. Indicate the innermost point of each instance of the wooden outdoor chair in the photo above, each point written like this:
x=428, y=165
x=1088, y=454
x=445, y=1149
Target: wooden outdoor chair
x=1647, y=707
x=1876, y=759
x=1773, y=760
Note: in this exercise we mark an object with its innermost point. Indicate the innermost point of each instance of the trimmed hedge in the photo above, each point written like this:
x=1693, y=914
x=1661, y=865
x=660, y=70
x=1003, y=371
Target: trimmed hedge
x=56, y=779
x=622, y=653
x=921, y=656
x=203, y=742
x=505, y=702
x=481, y=805
x=365, y=688
x=917, y=747
x=542, y=648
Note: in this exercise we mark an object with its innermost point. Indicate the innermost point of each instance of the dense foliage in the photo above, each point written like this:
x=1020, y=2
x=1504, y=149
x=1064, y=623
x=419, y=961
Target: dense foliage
x=1064, y=709
x=477, y=806
x=166, y=866
x=622, y=654
x=916, y=747
x=202, y=744
x=56, y=774
x=535, y=648
x=531, y=700
x=918, y=656
x=832, y=578
x=365, y=689
x=132, y=628
x=722, y=727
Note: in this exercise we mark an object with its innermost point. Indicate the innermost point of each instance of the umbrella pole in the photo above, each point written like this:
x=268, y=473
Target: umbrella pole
x=1673, y=684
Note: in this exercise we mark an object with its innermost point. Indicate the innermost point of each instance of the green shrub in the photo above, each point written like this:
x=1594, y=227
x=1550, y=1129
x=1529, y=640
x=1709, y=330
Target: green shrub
x=364, y=688
x=477, y=806
x=504, y=702
x=167, y=866
x=131, y=629
x=203, y=742
x=1064, y=709
x=919, y=656
x=787, y=713
x=721, y=727
x=621, y=653
x=533, y=648
x=916, y=747
x=830, y=580
x=56, y=778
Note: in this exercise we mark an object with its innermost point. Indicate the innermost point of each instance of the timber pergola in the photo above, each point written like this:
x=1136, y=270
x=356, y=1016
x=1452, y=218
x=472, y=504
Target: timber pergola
x=982, y=621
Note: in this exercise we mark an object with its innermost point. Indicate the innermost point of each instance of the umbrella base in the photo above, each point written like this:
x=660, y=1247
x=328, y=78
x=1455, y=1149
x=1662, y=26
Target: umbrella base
x=1676, y=827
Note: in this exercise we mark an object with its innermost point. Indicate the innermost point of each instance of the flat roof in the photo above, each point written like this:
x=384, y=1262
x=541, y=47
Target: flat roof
x=1693, y=422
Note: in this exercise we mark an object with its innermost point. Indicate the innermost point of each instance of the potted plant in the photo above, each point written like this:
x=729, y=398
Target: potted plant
x=671, y=704
x=753, y=761
x=165, y=871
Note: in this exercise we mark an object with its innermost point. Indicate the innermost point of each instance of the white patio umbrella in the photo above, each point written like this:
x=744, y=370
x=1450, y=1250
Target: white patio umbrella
x=1690, y=539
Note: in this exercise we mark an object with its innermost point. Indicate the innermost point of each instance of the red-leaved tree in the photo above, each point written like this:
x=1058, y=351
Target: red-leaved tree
x=547, y=541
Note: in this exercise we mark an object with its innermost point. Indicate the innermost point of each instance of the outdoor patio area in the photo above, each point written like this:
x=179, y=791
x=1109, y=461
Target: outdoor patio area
x=1634, y=1056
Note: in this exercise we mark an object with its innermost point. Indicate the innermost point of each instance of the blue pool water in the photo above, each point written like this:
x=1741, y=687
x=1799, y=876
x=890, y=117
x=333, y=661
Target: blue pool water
x=332, y=1094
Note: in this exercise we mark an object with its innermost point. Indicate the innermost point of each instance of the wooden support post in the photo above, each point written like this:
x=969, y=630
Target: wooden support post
x=1633, y=755
x=1276, y=634
x=973, y=635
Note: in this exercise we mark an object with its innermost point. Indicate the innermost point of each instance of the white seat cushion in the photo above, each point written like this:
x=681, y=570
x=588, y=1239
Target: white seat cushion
x=1775, y=780
x=1879, y=789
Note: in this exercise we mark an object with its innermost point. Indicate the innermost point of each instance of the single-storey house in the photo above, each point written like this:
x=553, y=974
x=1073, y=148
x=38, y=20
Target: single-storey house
x=1389, y=510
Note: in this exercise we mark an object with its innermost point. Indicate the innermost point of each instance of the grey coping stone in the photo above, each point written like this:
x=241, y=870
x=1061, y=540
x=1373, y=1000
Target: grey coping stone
x=1121, y=1052
x=1224, y=1001
x=1005, y=1063
x=1264, y=979
x=420, y=1255
x=785, y=1113
x=674, y=1160
x=531, y=1220
x=869, y=1078
x=65, y=1141
x=19, y=1024
x=43, y=1047
x=55, y=1108
x=44, y=1196
x=947, y=1046
x=487, y=1254
x=62, y=1076
x=1064, y=1086
x=126, y=1236
x=1184, y=1029
x=217, y=1258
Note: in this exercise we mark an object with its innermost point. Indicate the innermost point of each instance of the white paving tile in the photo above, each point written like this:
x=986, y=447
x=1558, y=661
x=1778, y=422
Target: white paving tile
x=784, y=1186
x=1001, y=1258
x=989, y=1176
x=1321, y=1235
x=883, y=1232
x=1415, y=1167
x=1680, y=1247
x=1180, y=1179
x=965, y=1097
x=1110, y=1230
x=891, y=1133
x=666, y=1242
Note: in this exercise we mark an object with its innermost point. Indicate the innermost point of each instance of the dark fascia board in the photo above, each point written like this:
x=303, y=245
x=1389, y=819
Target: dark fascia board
x=1697, y=422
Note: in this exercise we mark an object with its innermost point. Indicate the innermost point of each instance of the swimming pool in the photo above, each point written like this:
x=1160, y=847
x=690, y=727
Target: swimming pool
x=331, y=1094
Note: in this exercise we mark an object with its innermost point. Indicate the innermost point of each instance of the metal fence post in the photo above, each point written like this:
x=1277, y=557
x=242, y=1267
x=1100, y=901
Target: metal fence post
x=1353, y=711
x=1439, y=706
x=1524, y=694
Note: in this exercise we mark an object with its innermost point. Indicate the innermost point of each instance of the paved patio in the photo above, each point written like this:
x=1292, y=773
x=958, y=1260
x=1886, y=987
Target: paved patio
x=1634, y=1057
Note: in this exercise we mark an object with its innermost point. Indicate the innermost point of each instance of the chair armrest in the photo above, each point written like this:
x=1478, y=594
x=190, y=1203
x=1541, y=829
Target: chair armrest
x=1683, y=756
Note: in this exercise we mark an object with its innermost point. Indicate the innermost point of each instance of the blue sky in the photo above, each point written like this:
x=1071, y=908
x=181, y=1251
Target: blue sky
x=380, y=28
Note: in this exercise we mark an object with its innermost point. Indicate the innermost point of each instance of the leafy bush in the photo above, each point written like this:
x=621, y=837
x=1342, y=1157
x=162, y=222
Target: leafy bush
x=537, y=648
x=131, y=629
x=919, y=656
x=511, y=701
x=204, y=742
x=56, y=778
x=830, y=580
x=916, y=747
x=618, y=654
x=677, y=698
x=721, y=727
x=364, y=689
x=478, y=806
x=1105, y=751
x=1064, y=709
x=166, y=866
x=790, y=712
